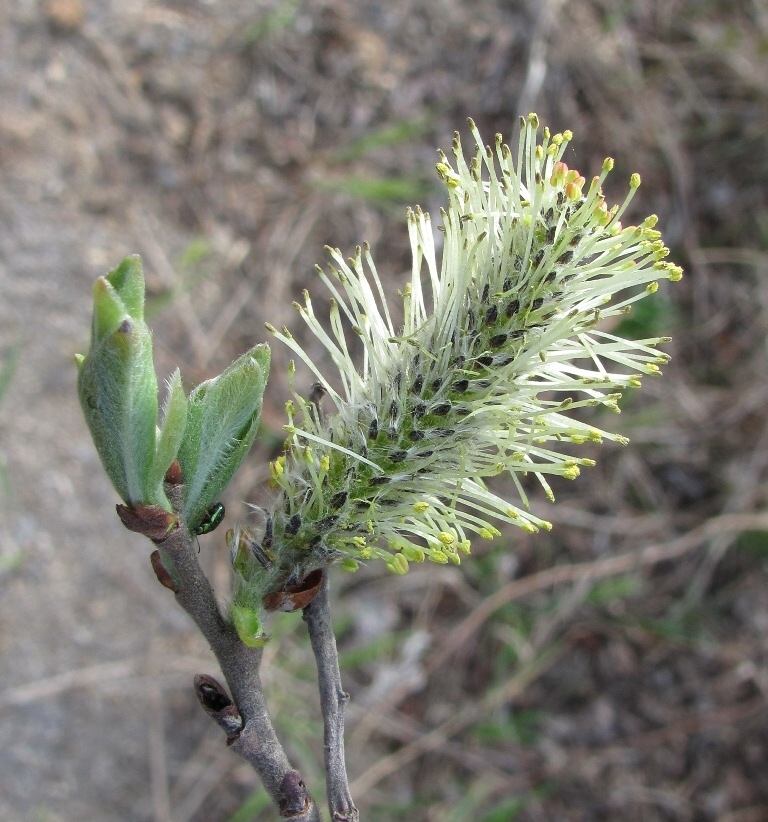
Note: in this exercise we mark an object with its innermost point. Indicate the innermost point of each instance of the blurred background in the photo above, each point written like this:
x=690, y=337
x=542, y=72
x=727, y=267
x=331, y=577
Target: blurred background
x=615, y=668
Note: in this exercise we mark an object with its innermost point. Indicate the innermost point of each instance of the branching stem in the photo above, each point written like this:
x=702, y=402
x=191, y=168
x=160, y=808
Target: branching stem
x=257, y=741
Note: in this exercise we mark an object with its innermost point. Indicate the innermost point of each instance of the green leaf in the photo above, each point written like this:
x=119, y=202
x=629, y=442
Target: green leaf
x=128, y=281
x=109, y=311
x=222, y=422
x=117, y=386
x=171, y=431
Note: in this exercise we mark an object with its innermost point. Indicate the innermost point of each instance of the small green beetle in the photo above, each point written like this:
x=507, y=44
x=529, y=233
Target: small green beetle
x=212, y=519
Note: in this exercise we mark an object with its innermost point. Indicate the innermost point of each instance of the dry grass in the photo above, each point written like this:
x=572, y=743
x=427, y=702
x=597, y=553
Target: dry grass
x=615, y=668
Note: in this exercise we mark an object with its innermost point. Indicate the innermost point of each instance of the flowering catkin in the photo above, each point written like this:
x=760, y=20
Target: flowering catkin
x=501, y=342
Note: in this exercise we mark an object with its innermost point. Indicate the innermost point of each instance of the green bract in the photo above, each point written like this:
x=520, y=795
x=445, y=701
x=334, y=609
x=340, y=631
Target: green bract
x=249, y=625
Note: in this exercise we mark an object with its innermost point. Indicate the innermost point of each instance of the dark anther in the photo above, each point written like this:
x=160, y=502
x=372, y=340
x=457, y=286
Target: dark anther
x=294, y=523
x=492, y=314
x=398, y=456
x=537, y=303
x=268, y=531
x=316, y=393
x=485, y=360
x=337, y=500
x=419, y=410
x=512, y=308
x=497, y=340
x=259, y=554
x=415, y=435
x=327, y=523
x=441, y=409
x=373, y=429
x=460, y=386
x=418, y=384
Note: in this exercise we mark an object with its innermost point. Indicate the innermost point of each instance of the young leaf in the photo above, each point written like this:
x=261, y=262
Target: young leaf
x=117, y=385
x=171, y=430
x=222, y=422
